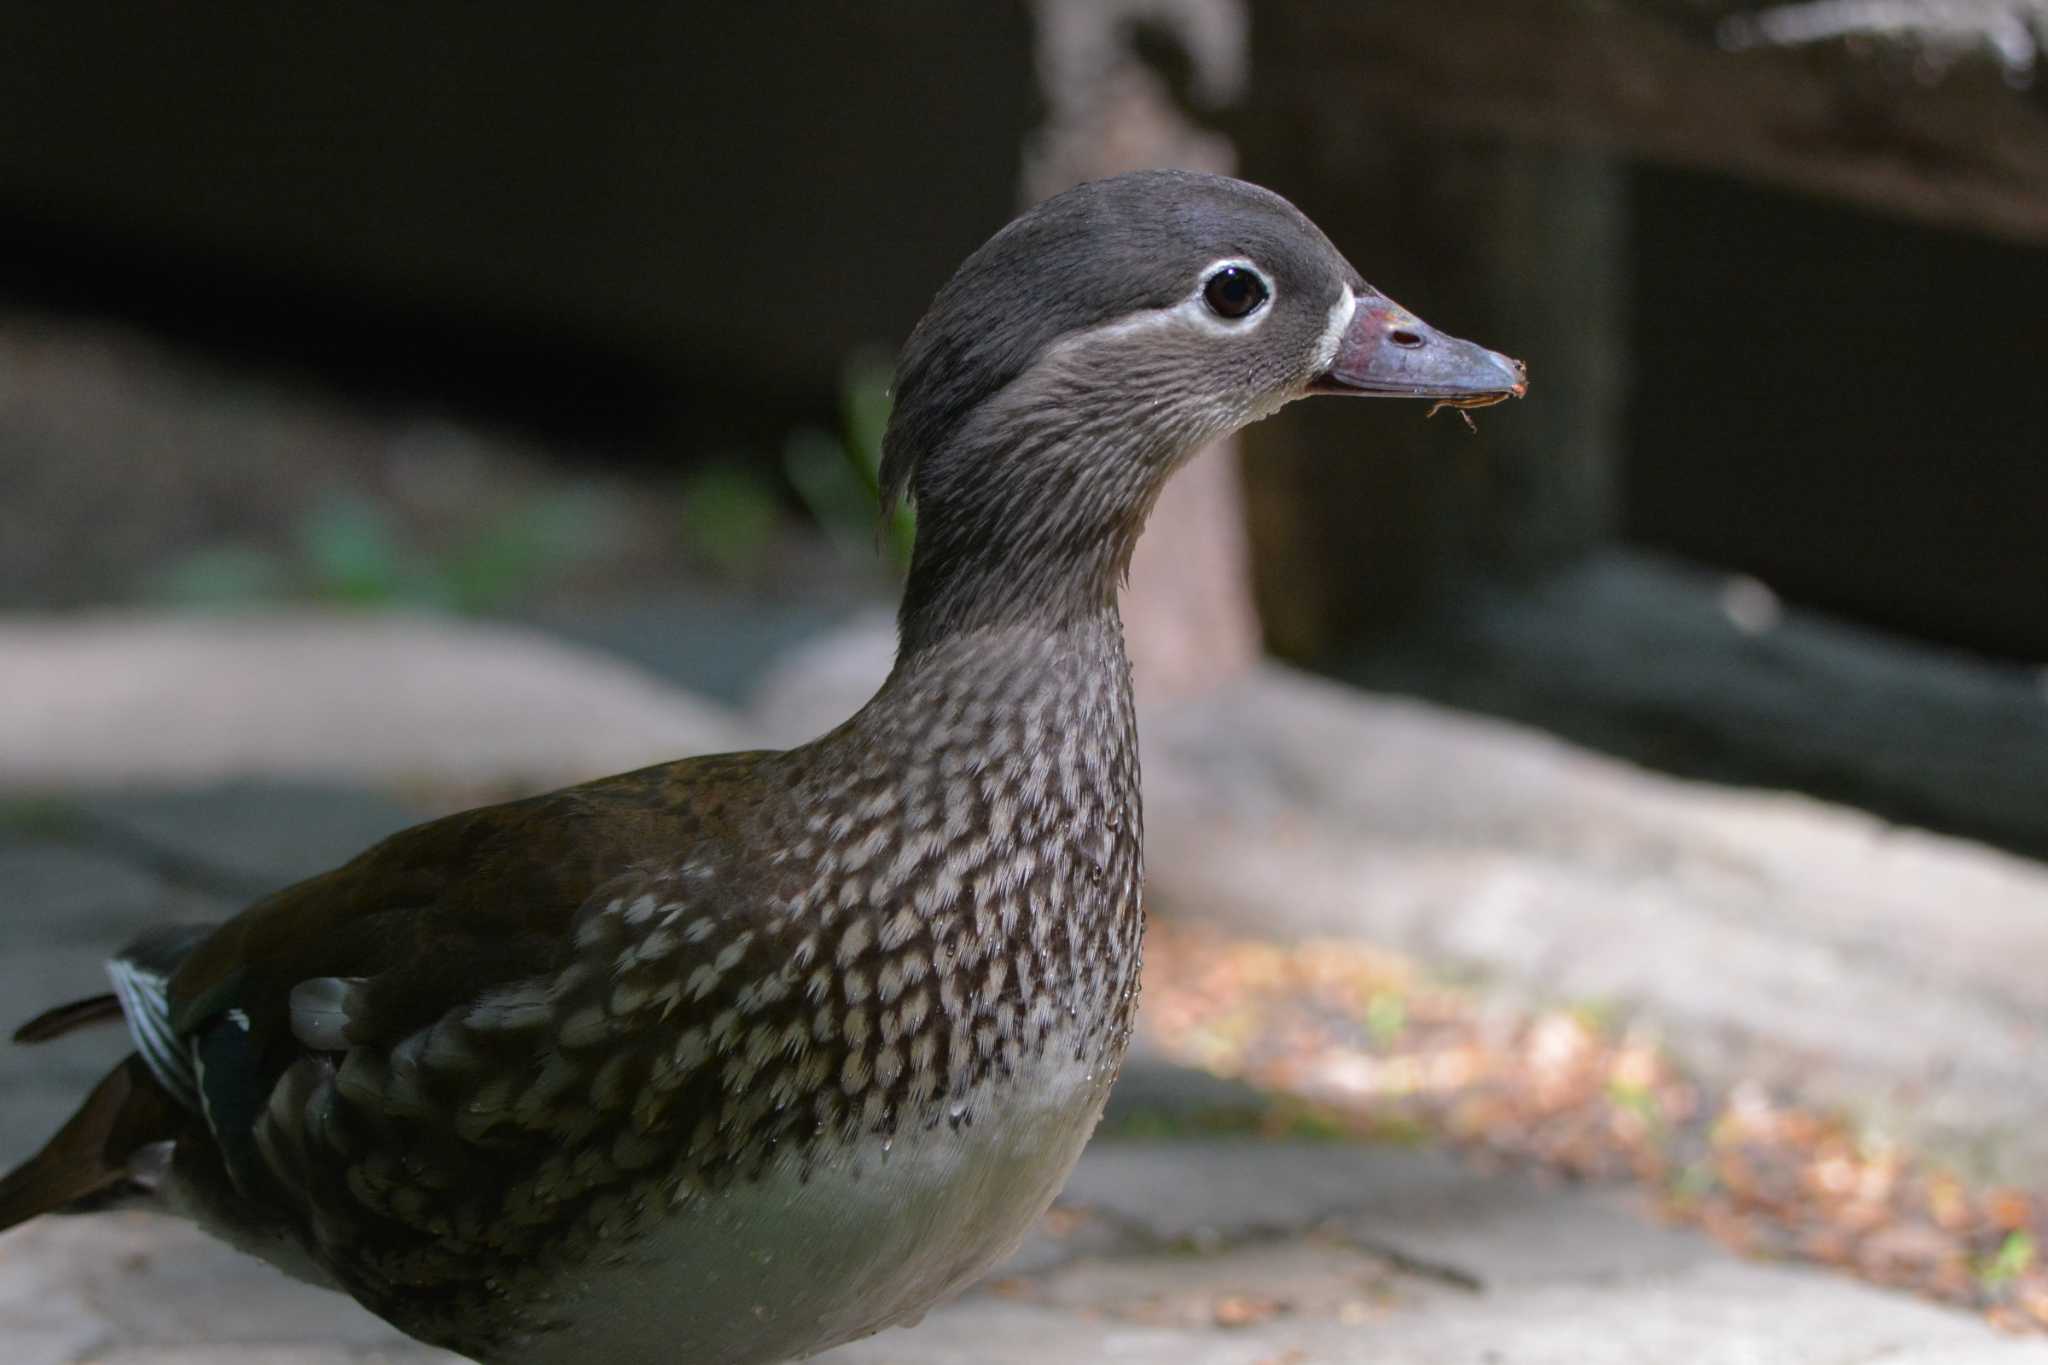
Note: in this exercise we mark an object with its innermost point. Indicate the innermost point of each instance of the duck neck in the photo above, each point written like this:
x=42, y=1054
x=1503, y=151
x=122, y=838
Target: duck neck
x=1029, y=525
x=1008, y=591
x=1011, y=601
x=1027, y=683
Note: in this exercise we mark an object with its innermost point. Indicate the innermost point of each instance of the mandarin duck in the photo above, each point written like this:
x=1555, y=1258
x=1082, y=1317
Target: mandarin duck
x=736, y=1058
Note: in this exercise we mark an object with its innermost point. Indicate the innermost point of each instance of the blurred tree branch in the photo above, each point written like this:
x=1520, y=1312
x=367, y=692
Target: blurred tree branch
x=1109, y=107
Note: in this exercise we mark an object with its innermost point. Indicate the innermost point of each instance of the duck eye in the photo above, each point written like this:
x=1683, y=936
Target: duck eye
x=1234, y=291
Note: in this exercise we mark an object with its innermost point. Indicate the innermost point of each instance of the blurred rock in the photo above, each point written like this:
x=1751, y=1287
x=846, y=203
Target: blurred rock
x=1284, y=804
x=820, y=683
x=143, y=1290
x=1241, y=1251
x=1211, y=1253
x=241, y=839
x=1875, y=965
x=1711, y=675
x=133, y=699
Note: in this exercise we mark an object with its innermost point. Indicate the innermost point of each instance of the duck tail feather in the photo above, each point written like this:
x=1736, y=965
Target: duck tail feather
x=55, y=1023
x=127, y=1112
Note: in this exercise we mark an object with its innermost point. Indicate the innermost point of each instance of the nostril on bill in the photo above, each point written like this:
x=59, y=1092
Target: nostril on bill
x=1403, y=337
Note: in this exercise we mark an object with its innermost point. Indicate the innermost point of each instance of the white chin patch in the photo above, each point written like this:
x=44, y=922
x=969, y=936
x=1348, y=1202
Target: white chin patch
x=1333, y=335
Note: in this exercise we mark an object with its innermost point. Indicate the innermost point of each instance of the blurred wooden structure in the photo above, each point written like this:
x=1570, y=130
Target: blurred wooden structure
x=1480, y=148
x=677, y=221
x=1914, y=123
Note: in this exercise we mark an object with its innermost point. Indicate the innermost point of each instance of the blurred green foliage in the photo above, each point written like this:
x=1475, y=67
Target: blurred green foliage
x=1639, y=1100
x=1386, y=1017
x=2015, y=1257
x=839, y=477
x=348, y=550
x=731, y=509
x=730, y=515
x=353, y=550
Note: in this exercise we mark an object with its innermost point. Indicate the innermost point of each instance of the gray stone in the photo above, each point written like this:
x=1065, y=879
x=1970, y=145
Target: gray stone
x=65, y=909
x=1493, y=1230
x=1763, y=934
x=122, y=699
x=138, y=1288
x=1335, y=1253
x=65, y=888
x=1152, y=1088
x=1711, y=676
x=107, y=867
x=1475, y=841
x=714, y=644
x=1262, y=1235
x=246, y=836
x=822, y=682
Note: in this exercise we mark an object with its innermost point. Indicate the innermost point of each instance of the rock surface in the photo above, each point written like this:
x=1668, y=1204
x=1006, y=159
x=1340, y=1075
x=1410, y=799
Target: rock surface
x=1711, y=676
x=386, y=700
x=1557, y=872
x=1771, y=933
x=1166, y=1252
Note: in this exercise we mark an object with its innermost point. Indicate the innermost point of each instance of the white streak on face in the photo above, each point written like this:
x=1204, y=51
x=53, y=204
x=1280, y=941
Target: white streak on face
x=1192, y=311
x=1333, y=335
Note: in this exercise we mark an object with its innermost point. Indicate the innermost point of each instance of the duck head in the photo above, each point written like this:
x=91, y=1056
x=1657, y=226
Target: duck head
x=1079, y=356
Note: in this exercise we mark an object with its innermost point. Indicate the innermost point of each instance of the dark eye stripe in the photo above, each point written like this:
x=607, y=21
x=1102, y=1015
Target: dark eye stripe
x=1234, y=292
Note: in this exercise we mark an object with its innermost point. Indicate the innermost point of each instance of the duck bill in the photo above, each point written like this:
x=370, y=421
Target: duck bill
x=1388, y=352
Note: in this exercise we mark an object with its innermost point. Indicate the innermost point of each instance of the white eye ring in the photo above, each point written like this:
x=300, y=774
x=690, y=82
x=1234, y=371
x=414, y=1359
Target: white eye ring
x=1235, y=292
x=1197, y=308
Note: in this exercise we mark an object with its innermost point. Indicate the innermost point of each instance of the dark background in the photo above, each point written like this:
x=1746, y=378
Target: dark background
x=1784, y=313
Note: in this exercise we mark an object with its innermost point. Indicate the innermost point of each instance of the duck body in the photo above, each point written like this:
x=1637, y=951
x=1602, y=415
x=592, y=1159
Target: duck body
x=740, y=1057
x=857, y=1004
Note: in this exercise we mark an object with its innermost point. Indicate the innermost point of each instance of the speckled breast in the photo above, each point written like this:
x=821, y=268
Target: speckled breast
x=795, y=1088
